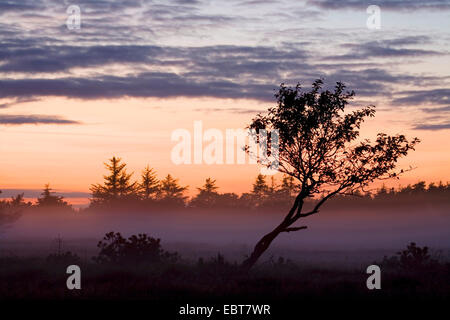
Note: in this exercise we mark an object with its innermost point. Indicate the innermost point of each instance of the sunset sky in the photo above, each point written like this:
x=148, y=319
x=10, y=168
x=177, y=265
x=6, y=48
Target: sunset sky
x=138, y=70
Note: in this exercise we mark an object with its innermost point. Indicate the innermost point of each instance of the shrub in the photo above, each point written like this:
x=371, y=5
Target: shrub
x=136, y=249
x=413, y=258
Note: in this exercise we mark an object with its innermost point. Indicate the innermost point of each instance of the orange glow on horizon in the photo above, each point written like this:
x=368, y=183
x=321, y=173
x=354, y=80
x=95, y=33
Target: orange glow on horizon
x=70, y=157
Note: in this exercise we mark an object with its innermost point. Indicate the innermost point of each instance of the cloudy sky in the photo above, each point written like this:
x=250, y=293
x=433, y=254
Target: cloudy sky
x=137, y=70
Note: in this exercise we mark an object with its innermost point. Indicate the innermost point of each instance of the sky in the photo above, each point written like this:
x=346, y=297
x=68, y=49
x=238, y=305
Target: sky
x=135, y=71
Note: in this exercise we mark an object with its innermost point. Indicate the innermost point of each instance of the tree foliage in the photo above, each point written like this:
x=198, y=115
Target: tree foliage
x=260, y=187
x=413, y=258
x=117, y=185
x=207, y=196
x=48, y=199
x=171, y=191
x=149, y=185
x=11, y=210
x=136, y=249
x=319, y=146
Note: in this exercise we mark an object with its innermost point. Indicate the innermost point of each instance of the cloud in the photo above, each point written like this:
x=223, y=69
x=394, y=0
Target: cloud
x=103, y=59
x=397, y=5
x=222, y=71
x=372, y=82
x=230, y=110
x=436, y=119
x=9, y=6
x=434, y=96
x=407, y=40
x=113, y=20
x=207, y=82
x=34, y=58
x=8, y=119
x=432, y=127
x=216, y=71
x=16, y=101
x=161, y=85
x=236, y=59
x=374, y=51
x=389, y=48
x=436, y=110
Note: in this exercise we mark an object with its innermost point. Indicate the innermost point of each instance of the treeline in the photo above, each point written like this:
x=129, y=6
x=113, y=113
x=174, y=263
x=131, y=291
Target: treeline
x=418, y=193
x=11, y=209
x=119, y=191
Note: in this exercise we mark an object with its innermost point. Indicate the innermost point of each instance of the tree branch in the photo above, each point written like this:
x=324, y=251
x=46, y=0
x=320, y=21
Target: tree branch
x=320, y=203
x=295, y=229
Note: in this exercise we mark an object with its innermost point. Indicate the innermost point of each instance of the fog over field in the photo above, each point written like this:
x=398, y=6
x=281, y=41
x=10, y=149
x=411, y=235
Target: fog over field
x=337, y=236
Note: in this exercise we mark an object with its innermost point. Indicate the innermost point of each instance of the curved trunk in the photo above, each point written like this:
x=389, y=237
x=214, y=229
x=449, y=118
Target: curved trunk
x=263, y=244
x=260, y=247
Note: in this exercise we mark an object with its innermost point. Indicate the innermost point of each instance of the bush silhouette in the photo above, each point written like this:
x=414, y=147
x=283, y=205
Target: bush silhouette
x=136, y=249
x=413, y=258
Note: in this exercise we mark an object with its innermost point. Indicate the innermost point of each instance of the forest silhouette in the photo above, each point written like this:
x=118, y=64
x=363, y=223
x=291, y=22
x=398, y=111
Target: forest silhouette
x=266, y=194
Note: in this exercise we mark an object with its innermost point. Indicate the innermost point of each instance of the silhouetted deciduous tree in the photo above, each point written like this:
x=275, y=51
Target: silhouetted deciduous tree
x=318, y=147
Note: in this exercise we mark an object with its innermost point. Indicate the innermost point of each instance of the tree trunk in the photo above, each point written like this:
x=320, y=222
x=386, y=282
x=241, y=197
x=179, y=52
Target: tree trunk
x=265, y=241
x=261, y=247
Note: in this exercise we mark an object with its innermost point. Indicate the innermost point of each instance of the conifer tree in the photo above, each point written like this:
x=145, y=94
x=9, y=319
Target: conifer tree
x=149, y=185
x=117, y=185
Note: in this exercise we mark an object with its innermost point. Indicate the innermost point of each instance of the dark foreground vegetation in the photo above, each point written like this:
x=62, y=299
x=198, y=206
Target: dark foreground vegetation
x=138, y=268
